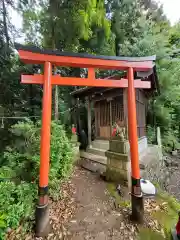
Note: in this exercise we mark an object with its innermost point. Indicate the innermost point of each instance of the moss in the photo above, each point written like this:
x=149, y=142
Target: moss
x=148, y=234
x=119, y=200
x=167, y=218
x=173, y=204
x=116, y=175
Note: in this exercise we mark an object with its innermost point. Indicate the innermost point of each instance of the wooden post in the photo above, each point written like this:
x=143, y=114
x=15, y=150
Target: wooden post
x=110, y=113
x=136, y=194
x=125, y=110
x=89, y=121
x=42, y=210
x=56, y=104
x=96, y=116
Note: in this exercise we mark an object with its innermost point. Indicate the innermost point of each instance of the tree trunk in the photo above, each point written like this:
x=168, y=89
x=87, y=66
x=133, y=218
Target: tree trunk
x=5, y=25
x=56, y=104
x=56, y=94
x=117, y=46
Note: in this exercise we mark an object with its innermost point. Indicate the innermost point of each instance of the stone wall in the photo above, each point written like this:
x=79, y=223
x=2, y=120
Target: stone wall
x=142, y=145
x=153, y=164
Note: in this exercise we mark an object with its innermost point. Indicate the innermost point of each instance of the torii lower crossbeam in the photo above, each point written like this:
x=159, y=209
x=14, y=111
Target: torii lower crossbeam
x=89, y=82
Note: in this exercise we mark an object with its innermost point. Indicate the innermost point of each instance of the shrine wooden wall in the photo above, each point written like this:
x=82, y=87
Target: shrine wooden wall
x=105, y=119
x=141, y=103
x=106, y=115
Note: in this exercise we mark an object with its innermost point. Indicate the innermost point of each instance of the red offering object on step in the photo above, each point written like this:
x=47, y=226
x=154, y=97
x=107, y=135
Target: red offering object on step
x=73, y=130
x=114, y=132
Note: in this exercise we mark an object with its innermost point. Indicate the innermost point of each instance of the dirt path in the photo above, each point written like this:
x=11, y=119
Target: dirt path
x=95, y=217
x=86, y=211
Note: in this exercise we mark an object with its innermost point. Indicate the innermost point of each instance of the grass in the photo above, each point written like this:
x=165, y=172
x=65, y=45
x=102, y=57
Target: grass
x=167, y=218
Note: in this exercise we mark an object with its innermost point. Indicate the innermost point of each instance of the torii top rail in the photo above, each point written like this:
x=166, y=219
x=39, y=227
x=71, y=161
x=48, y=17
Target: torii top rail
x=35, y=55
x=48, y=58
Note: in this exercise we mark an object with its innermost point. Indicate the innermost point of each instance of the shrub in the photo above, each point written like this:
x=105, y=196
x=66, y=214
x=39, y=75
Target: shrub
x=17, y=204
x=151, y=134
x=169, y=142
x=23, y=156
x=19, y=175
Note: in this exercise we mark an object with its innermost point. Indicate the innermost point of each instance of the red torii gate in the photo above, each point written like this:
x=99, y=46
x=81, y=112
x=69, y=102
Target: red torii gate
x=91, y=62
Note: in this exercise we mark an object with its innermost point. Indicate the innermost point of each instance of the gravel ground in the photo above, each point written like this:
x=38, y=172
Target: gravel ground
x=171, y=174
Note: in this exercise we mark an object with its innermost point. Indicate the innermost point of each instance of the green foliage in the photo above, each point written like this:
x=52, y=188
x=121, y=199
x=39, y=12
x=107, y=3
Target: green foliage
x=169, y=142
x=61, y=158
x=17, y=204
x=19, y=174
x=23, y=154
x=68, y=25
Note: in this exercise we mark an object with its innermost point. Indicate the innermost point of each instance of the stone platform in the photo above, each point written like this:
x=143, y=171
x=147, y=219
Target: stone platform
x=112, y=158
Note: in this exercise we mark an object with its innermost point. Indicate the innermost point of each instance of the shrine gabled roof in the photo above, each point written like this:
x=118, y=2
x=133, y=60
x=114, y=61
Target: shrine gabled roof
x=35, y=49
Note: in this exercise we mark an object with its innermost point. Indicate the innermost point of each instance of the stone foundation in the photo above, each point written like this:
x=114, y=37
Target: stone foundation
x=117, y=161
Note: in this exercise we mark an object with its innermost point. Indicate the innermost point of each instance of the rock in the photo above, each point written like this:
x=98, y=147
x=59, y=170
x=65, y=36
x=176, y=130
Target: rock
x=73, y=221
x=8, y=230
x=174, y=153
x=142, y=166
x=174, y=164
x=171, y=162
x=174, y=234
x=167, y=162
x=119, y=190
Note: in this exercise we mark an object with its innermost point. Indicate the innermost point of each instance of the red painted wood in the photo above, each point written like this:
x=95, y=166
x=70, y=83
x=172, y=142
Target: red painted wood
x=39, y=58
x=132, y=126
x=46, y=126
x=71, y=81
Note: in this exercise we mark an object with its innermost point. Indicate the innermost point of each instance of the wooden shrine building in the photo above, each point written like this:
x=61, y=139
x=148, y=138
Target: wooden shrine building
x=110, y=104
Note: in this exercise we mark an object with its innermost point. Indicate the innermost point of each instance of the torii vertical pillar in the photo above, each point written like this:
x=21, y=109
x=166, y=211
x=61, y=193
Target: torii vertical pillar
x=136, y=194
x=42, y=209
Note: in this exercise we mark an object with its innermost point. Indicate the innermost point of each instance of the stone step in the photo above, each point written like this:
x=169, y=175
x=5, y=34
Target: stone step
x=93, y=166
x=93, y=157
x=97, y=151
x=101, y=144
